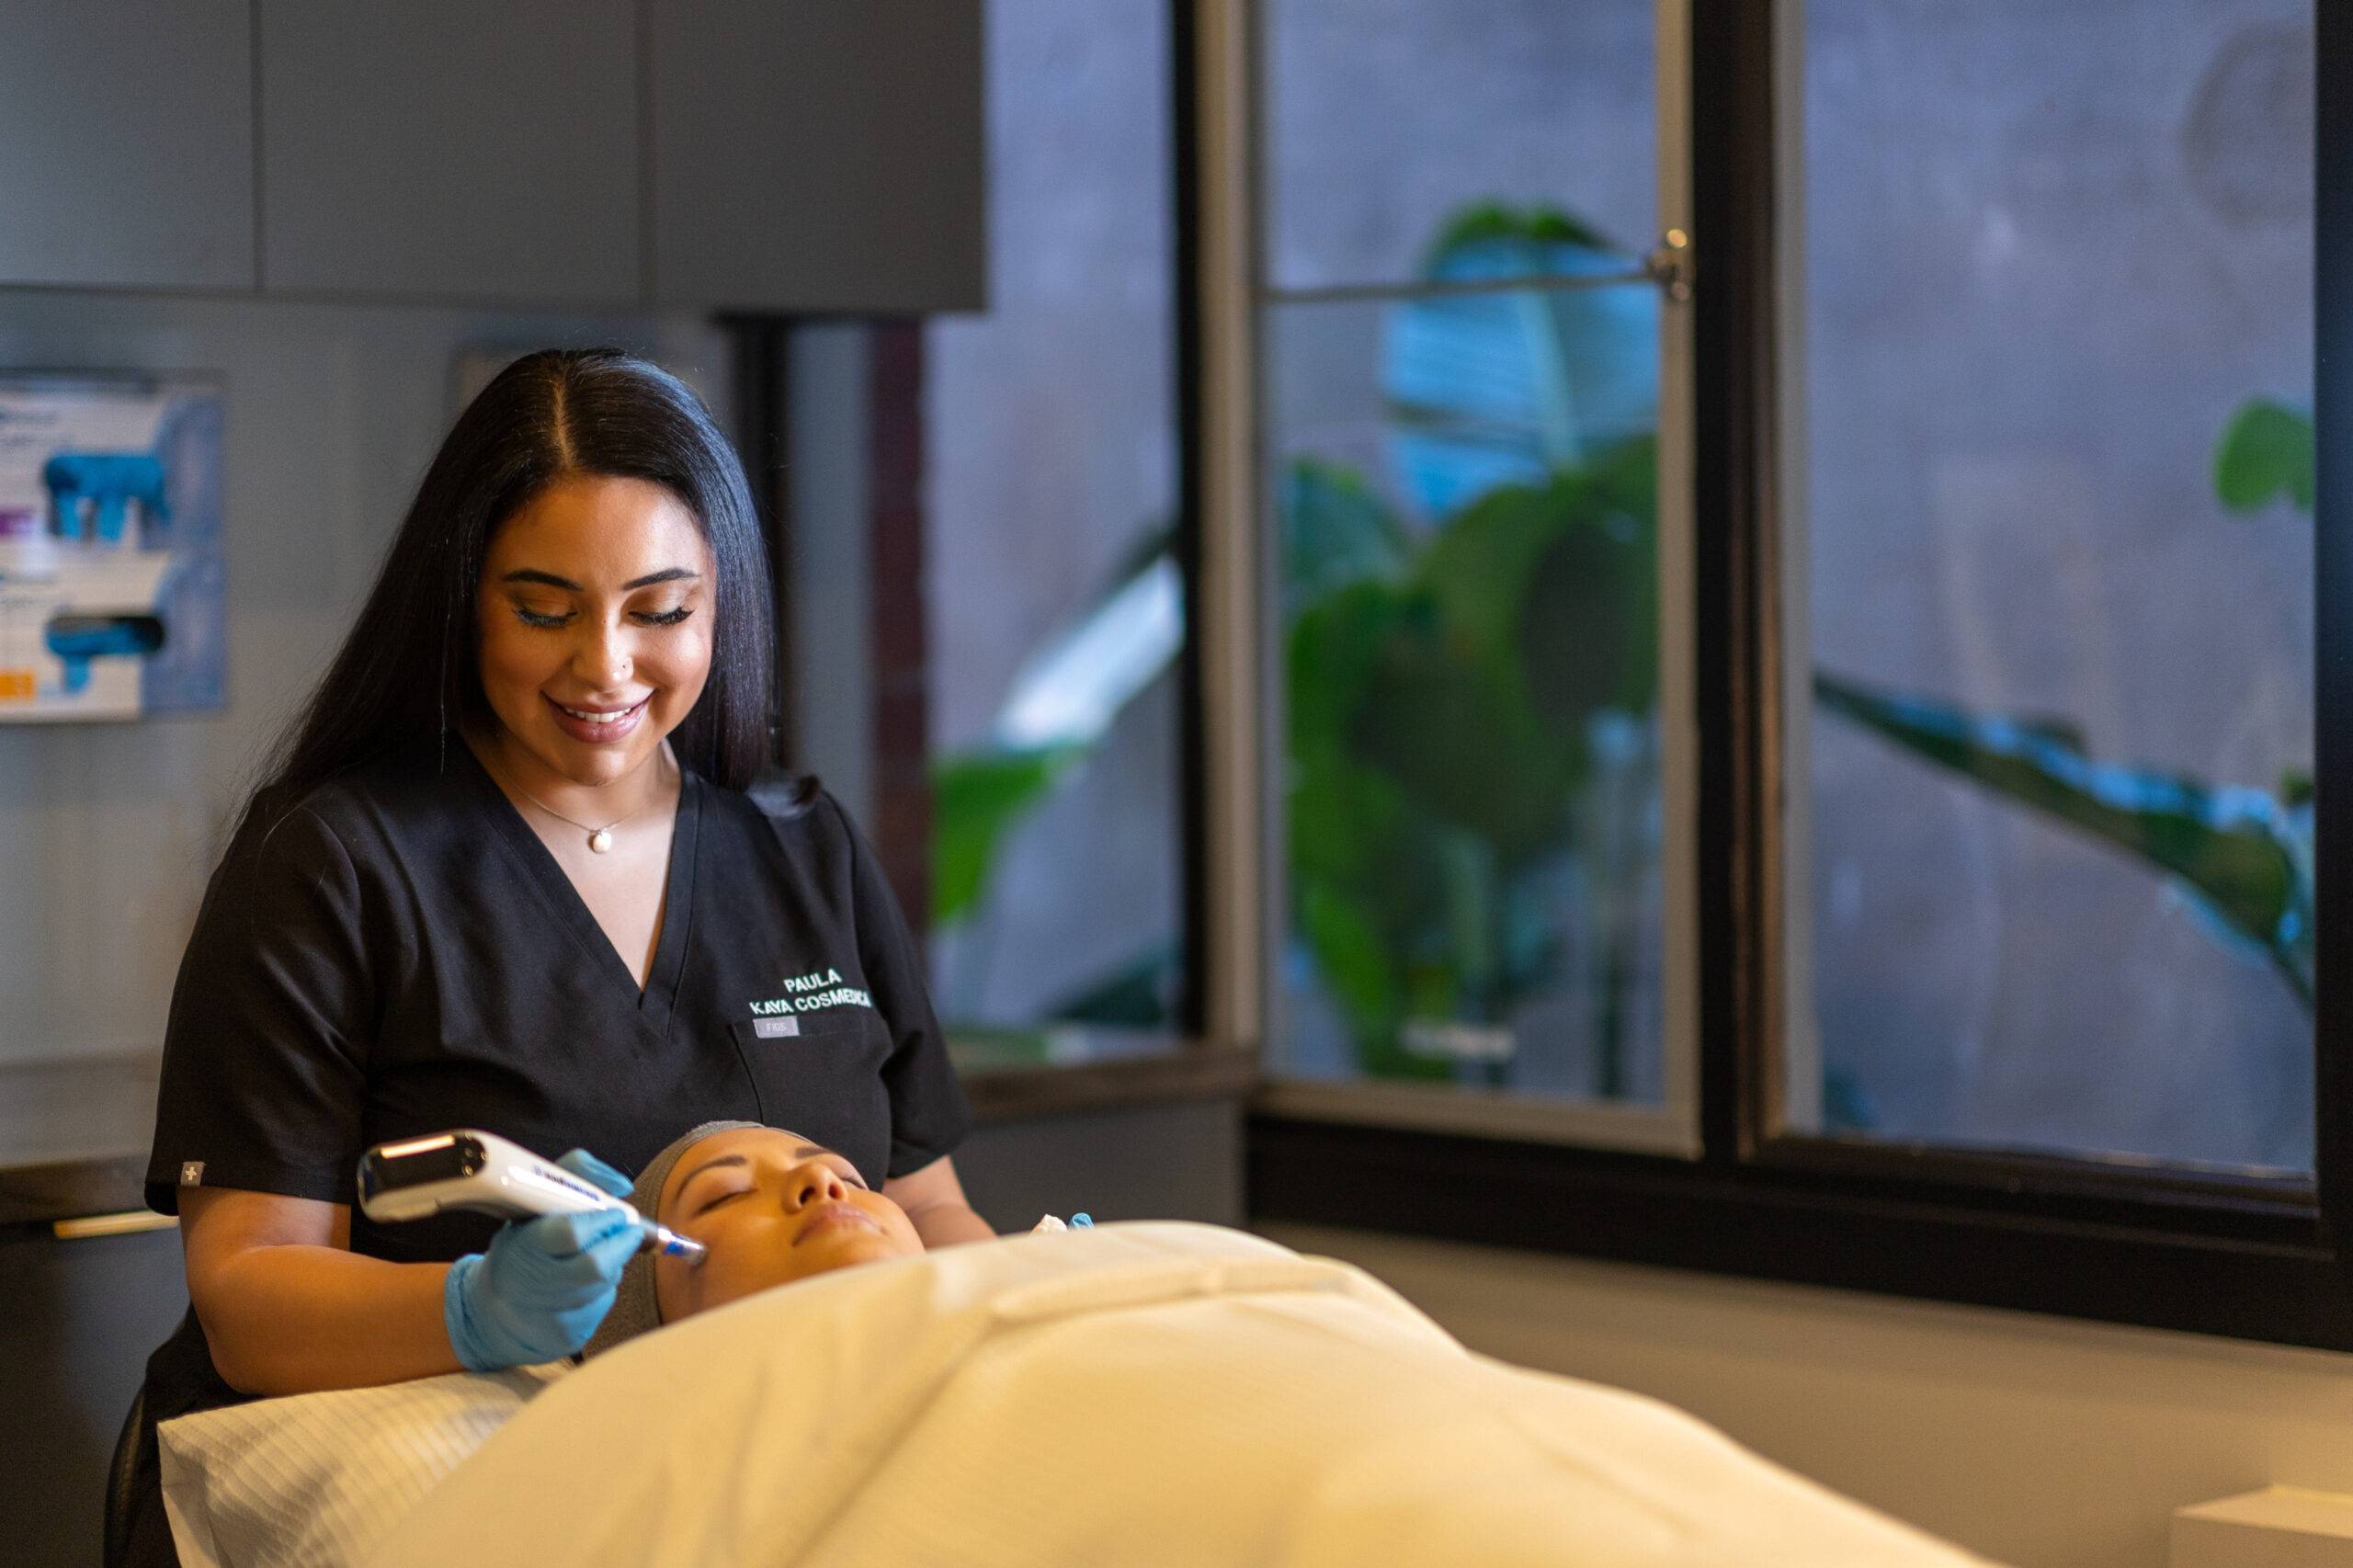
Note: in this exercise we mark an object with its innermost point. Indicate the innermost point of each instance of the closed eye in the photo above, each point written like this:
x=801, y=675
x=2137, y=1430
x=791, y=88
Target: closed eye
x=715, y=1202
x=643, y=617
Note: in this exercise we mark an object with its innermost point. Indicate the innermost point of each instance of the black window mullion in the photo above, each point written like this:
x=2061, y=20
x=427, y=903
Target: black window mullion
x=2332, y=622
x=1185, y=272
x=1731, y=144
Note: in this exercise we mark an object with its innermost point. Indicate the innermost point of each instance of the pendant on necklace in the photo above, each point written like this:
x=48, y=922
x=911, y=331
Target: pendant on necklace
x=601, y=840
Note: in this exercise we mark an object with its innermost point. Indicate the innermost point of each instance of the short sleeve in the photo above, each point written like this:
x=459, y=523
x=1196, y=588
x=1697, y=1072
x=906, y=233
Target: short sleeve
x=265, y=1067
x=929, y=1116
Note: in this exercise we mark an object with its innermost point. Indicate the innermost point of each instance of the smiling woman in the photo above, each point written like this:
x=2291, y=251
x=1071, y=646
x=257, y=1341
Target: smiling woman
x=504, y=873
x=587, y=669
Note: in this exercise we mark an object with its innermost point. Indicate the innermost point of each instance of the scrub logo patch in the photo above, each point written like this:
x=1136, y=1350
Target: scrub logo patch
x=810, y=992
x=192, y=1173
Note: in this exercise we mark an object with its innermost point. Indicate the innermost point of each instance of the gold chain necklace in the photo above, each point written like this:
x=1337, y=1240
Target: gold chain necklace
x=600, y=839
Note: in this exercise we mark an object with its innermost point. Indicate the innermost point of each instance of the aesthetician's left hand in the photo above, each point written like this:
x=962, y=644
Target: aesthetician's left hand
x=587, y=1167
x=544, y=1285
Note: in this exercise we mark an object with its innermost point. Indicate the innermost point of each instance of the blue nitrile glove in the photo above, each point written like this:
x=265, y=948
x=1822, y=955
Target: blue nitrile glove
x=544, y=1285
x=588, y=1167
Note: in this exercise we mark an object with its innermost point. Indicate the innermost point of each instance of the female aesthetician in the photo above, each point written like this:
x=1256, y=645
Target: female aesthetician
x=504, y=874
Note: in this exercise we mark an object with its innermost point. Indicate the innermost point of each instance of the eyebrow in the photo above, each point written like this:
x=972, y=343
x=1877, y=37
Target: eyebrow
x=714, y=1163
x=667, y=575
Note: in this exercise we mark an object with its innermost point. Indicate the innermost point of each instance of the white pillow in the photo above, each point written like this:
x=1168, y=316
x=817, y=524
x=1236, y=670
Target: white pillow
x=315, y=1480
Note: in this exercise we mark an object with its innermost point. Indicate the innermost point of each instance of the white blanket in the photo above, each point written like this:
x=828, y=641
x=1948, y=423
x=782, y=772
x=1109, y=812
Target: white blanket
x=1139, y=1393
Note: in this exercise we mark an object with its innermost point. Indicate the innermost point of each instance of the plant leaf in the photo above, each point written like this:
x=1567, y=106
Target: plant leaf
x=1588, y=614
x=1490, y=389
x=1488, y=223
x=2266, y=450
x=1451, y=722
x=2233, y=849
x=1336, y=532
x=976, y=796
x=1134, y=996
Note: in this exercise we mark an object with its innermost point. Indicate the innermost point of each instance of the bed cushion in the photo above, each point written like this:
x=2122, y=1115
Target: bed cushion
x=315, y=1480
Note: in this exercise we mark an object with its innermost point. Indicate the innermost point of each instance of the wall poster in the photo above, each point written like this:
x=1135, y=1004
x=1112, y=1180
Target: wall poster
x=110, y=569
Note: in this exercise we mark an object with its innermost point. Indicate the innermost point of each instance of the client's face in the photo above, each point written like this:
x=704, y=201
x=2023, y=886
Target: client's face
x=772, y=1208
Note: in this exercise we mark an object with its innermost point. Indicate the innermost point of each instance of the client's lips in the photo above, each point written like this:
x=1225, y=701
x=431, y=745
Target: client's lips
x=832, y=1216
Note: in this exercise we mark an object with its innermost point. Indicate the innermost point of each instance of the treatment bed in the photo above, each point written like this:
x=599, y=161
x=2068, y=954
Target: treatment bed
x=1149, y=1392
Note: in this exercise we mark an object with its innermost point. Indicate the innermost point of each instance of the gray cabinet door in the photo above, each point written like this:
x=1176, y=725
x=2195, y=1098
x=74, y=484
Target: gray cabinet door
x=82, y=1319
x=129, y=137
x=450, y=148
x=815, y=155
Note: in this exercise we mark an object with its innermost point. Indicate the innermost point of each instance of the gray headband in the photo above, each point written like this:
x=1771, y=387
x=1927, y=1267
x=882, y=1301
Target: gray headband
x=636, y=1309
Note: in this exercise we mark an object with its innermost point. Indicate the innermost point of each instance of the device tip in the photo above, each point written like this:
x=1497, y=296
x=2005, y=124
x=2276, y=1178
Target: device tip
x=669, y=1244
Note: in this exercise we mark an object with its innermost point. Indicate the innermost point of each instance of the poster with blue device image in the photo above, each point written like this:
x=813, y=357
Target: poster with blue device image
x=111, y=602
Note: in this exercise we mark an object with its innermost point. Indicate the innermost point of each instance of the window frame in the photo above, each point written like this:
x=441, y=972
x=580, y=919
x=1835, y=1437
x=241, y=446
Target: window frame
x=1669, y=1124
x=2108, y=1240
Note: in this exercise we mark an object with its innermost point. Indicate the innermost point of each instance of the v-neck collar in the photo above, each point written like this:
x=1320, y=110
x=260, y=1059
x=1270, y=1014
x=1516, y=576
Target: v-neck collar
x=658, y=998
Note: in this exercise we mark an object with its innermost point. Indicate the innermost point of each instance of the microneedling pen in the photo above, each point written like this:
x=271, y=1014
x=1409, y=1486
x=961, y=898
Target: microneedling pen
x=466, y=1168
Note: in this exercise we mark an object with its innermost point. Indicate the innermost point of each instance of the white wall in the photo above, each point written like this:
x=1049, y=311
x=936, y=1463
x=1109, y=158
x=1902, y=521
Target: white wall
x=2040, y=1442
x=109, y=831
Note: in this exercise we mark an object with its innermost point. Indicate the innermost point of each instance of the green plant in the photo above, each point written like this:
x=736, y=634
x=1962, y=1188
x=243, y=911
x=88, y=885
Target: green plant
x=1448, y=704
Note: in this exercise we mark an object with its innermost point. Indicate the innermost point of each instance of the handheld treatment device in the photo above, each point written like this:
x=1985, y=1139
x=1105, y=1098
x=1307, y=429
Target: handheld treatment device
x=465, y=1168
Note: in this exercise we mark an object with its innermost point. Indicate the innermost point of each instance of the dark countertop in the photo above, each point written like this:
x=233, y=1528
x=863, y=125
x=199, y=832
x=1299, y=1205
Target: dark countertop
x=74, y=1132
x=74, y=1136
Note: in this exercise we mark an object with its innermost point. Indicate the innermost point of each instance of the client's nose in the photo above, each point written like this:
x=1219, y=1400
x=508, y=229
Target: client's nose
x=816, y=1182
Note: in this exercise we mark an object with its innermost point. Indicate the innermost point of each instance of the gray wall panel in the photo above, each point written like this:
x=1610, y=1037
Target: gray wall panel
x=128, y=131
x=818, y=156
x=447, y=149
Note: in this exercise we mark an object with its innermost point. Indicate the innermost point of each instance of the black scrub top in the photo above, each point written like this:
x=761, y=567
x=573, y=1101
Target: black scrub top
x=398, y=953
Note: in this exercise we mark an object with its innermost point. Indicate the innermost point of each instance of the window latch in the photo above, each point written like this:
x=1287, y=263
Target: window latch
x=1670, y=265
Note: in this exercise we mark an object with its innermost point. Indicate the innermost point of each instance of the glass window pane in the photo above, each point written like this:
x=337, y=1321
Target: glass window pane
x=1056, y=609
x=1465, y=493
x=1386, y=119
x=2054, y=469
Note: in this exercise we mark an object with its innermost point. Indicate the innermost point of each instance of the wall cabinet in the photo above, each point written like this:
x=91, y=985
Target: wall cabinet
x=452, y=150
x=126, y=144
x=788, y=156
x=814, y=156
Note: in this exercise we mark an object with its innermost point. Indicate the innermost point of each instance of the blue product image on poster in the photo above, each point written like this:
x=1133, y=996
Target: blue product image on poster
x=95, y=490
x=112, y=589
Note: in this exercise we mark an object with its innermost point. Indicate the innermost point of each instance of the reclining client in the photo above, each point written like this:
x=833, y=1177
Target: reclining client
x=771, y=1206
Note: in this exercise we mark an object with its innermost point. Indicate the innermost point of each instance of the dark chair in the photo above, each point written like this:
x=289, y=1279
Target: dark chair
x=123, y=1479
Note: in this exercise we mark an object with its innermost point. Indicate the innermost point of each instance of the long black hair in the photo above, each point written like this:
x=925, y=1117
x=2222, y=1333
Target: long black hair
x=410, y=669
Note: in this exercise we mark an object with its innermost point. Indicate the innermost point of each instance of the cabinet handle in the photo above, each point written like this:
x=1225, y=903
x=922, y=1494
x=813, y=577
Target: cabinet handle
x=130, y=1223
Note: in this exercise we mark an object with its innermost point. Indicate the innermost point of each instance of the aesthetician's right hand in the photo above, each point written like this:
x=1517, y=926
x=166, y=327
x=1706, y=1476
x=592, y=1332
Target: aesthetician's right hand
x=541, y=1290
